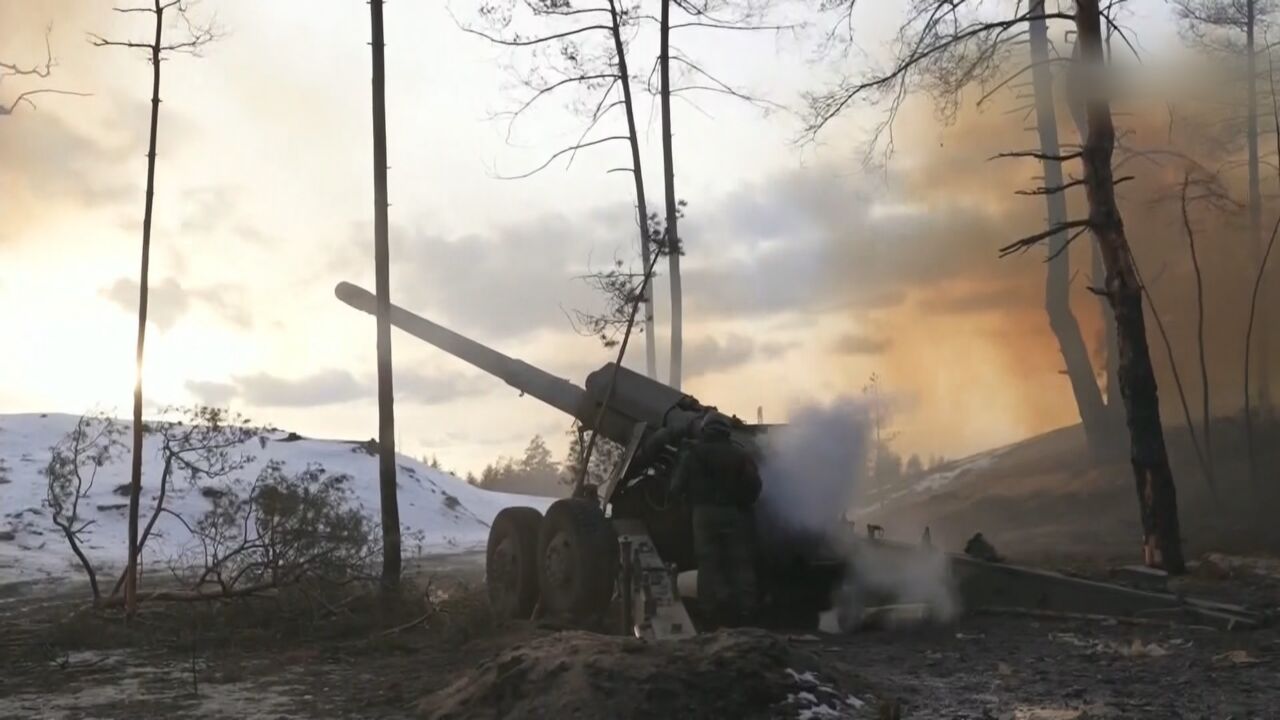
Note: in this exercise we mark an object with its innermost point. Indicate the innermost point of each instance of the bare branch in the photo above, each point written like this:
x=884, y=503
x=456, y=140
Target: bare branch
x=196, y=38
x=722, y=87
x=1031, y=241
x=543, y=91
x=600, y=112
x=1064, y=187
x=564, y=151
x=1023, y=70
x=25, y=97
x=526, y=42
x=41, y=70
x=939, y=32
x=1037, y=155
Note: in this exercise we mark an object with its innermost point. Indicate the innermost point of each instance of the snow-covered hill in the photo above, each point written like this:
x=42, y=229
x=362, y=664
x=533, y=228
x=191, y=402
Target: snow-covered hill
x=439, y=513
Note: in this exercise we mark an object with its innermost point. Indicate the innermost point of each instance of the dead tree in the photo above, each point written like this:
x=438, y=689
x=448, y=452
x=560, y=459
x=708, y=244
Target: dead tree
x=1254, y=475
x=1250, y=448
x=1148, y=455
x=1099, y=433
x=637, y=295
x=956, y=41
x=675, y=370
x=70, y=474
x=204, y=444
x=642, y=208
x=1203, y=454
x=618, y=286
x=600, y=71
x=40, y=71
x=700, y=14
x=1231, y=28
x=382, y=279
x=569, y=59
x=1206, y=425
x=1097, y=273
x=194, y=38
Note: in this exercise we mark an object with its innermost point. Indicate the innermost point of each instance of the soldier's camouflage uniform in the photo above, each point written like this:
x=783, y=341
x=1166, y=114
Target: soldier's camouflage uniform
x=721, y=483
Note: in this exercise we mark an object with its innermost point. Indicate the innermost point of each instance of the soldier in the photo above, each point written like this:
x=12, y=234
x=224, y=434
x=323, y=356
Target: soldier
x=720, y=482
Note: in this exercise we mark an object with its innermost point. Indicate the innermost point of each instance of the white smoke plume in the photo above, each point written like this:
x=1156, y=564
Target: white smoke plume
x=814, y=469
x=900, y=576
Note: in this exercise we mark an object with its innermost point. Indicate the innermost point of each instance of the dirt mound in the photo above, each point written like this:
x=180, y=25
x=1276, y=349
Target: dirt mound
x=730, y=674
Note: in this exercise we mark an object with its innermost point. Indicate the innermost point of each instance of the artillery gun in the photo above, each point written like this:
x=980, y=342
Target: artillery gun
x=631, y=541
x=629, y=536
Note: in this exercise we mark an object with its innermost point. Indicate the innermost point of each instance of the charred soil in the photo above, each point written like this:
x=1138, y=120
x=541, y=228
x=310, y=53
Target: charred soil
x=447, y=659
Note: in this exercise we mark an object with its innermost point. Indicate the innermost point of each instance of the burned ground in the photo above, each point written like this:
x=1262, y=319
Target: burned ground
x=448, y=660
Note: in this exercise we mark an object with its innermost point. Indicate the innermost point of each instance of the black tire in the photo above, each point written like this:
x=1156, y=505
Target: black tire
x=511, y=563
x=577, y=559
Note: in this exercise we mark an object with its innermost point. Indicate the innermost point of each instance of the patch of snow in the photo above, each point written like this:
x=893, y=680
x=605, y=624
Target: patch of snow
x=804, y=678
x=934, y=481
x=820, y=711
x=439, y=513
x=818, y=700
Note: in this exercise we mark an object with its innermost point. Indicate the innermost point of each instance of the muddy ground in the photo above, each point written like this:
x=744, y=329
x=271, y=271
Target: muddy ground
x=365, y=661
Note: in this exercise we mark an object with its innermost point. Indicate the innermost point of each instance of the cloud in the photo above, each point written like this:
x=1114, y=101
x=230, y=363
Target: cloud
x=816, y=240
x=710, y=355
x=812, y=241
x=211, y=393
x=857, y=344
x=328, y=387
x=517, y=281
x=168, y=301
x=50, y=160
x=334, y=387
x=206, y=209
x=437, y=388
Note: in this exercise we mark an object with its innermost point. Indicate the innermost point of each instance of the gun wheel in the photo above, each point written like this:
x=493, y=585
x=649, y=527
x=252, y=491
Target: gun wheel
x=511, y=563
x=577, y=559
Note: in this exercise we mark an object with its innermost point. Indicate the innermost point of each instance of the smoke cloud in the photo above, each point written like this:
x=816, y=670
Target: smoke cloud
x=813, y=467
x=814, y=470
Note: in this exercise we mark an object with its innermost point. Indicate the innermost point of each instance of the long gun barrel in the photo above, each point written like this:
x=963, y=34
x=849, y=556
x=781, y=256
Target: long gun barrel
x=633, y=399
x=556, y=392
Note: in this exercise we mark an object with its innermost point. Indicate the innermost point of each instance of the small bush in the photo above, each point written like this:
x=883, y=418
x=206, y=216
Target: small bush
x=285, y=530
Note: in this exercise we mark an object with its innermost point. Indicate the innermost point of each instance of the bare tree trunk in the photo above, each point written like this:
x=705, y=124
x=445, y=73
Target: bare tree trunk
x=1255, y=193
x=1248, y=346
x=1157, y=496
x=135, y=474
x=1111, y=353
x=386, y=414
x=1258, y=287
x=1205, y=415
x=584, y=467
x=1057, y=295
x=1097, y=279
x=669, y=175
x=642, y=209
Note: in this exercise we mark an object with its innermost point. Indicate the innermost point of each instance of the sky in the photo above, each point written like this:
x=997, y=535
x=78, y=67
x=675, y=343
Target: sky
x=805, y=271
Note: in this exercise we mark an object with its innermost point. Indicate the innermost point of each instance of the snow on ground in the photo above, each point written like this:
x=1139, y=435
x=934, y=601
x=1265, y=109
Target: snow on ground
x=439, y=513
x=930, y=482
